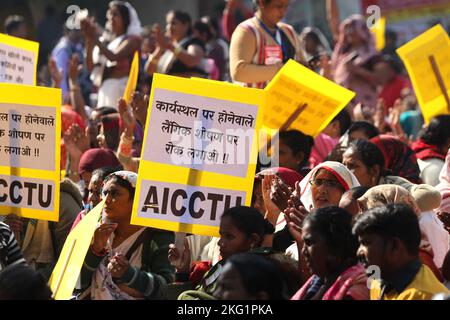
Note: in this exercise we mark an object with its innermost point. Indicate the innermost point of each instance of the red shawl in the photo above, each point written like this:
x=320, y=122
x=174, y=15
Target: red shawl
x=426, y=151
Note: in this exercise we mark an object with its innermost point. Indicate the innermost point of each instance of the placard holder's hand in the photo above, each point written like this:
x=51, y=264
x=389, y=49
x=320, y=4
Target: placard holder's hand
x=101, y=236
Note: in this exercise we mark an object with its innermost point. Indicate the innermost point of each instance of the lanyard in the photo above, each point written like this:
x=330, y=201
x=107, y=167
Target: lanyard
x=277, y=37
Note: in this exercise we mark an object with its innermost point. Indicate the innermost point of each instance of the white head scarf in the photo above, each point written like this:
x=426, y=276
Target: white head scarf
x=342, y=174
x=135, y=27
x=324, y=46
x=130, y=176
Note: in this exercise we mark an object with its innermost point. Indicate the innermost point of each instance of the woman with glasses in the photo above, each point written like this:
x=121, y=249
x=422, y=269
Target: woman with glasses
x=322, y=187
x=125, y=262
x=325, y=185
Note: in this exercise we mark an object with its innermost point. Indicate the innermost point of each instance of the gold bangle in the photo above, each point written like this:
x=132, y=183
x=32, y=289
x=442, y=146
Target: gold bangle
x=123, y=158
x=127, y=139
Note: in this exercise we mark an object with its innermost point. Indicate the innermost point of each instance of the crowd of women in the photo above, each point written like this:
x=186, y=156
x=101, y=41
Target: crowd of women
x=360, y=212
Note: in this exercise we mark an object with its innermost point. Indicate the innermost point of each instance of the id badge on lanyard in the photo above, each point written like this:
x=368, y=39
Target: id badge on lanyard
x=273, y=53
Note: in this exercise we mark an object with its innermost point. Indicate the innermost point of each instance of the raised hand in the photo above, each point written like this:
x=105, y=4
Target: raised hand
x=74, y=67
x=294, y=201
x=379, y=116
x=89, y=29
x=161, y=40
x=79, y=137
x=281, y=194
x=272, y=211
x=101, y=236
x=325, y=66
x=71, y=145
x=294, y=220
x=180, y=260
x=55, y=73
x=126, y=115
x=139, y=105
x=394, y=120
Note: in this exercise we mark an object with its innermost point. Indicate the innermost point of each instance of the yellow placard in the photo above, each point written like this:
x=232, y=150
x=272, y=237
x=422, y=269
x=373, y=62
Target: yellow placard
x=20, y=57
x=416, y=57
x=186, y=197
x=65, y=274
x=132, y=79
x=378, y=31
x=30, y=126
x=215, y=81
x=295, y=86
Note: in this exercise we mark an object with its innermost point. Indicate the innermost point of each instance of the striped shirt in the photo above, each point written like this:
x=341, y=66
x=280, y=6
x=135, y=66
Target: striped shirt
x=10, y=252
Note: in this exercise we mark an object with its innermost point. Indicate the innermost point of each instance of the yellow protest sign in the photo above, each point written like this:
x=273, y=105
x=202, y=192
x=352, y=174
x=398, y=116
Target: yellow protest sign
x=30, y=135
x=132, y=79
x=18, y=58
x=416, y=54
x=215, y=81
x=65, y=274
x=378, y=30
x=296, y=86
x=199, y=154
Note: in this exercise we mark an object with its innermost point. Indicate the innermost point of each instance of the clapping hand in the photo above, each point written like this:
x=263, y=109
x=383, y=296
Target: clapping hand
x=139, y=105
x=74, y=67
x=55, y=73
x=295, y=214
x=272, y=210
x=180, y=260
x=126, y=115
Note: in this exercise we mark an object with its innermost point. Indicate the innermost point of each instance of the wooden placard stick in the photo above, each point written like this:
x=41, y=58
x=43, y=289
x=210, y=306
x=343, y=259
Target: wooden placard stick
x=440, y=80
x=293, y=117
x=285, y=125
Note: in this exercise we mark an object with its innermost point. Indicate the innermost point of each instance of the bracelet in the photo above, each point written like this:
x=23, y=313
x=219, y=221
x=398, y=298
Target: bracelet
x=124, y=150
x=128, y=139
x=99, y=254
x=125, y=146
x=123, y=158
